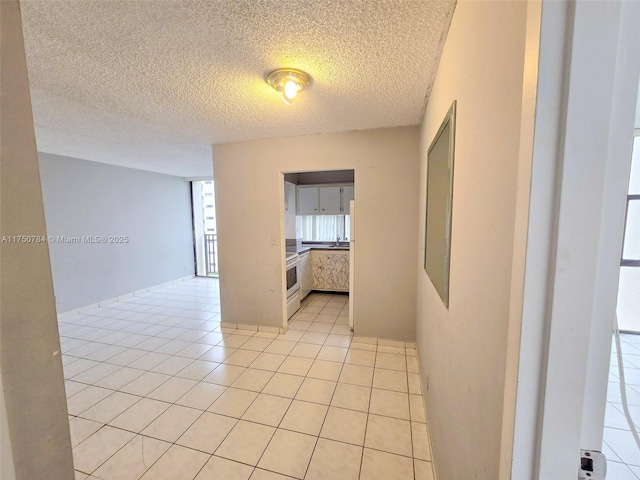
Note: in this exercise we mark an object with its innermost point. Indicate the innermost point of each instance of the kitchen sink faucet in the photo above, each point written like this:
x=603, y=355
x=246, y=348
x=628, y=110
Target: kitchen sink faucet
x=338, y=240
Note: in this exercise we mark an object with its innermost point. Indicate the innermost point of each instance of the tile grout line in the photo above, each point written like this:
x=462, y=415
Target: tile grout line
x=297, y=342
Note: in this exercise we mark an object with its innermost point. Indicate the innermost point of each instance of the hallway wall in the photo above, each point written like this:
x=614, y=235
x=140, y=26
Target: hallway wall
x=463, y=348
x=250, y=205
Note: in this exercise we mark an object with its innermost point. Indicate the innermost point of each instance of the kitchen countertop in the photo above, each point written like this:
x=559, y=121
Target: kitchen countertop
x=317, y=246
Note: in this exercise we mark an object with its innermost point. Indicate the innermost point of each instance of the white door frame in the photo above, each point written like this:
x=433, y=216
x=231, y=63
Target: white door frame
x=587, y=85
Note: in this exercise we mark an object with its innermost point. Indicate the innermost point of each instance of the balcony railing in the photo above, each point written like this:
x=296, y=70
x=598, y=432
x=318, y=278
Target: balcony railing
x=211, y=253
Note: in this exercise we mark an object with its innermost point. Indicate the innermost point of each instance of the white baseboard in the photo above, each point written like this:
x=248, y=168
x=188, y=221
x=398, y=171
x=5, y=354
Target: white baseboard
x=88, y=307
x=252, y=328
x=108, y=301
x=267, y=329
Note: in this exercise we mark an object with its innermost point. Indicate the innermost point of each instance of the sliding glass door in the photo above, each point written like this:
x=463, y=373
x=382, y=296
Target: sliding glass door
x=204, y=228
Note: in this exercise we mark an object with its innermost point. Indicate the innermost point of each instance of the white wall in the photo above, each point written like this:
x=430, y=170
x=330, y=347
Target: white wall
x=463, y=349
x=250, y=216
x=34, y=427
x=89, y=198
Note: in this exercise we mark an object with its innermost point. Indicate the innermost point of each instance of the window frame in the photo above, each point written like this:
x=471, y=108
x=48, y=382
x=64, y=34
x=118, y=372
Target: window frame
x=626, y=262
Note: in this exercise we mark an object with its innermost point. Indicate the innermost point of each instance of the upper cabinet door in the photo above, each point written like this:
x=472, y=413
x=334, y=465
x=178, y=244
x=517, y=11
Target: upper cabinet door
x=289, y=197
x=347, y=195
x=330, y=200
x=324, y=199
x=308, y=201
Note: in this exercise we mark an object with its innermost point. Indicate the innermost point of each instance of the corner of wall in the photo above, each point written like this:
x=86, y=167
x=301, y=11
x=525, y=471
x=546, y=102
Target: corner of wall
x=31, y=367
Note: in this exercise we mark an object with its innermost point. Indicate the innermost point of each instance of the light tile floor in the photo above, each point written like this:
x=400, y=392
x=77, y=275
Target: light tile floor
x=623, y=455
x=158, y=390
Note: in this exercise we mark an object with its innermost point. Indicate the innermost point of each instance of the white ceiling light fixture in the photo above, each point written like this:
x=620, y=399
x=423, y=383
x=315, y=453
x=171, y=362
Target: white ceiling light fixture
x=288, y=81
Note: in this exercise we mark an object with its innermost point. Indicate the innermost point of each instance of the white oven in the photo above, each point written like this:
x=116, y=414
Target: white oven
x=293, y=284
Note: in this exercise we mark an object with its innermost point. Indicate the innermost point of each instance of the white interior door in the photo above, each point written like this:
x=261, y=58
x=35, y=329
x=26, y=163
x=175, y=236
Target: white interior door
x=587, y=84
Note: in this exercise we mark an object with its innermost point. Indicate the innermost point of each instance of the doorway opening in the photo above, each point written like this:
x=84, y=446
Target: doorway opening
x=205, y=236
x=629, y=283
x=318, y=234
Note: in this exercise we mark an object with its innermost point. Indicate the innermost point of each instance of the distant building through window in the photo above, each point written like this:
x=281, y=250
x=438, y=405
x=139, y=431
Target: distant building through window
x=205, y=234
x=208, y=207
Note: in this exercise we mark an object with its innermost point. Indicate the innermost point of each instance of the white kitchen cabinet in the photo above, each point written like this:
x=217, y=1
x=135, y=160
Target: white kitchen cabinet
x=330, y=270
x=305, y=274
x=307, y=200
x=330, y=200
x=348, y=194
x=289, y=197
x=289, y=210
x=320, y=200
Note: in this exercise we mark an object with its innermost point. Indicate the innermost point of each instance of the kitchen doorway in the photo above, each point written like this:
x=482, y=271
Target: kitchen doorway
x=318, y=237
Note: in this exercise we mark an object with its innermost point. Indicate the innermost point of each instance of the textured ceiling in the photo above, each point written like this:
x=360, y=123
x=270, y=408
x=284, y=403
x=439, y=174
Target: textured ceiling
x=152, y=84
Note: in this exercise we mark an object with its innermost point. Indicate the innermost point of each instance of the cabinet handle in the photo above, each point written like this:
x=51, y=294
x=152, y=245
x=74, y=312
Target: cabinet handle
x=323, y=209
